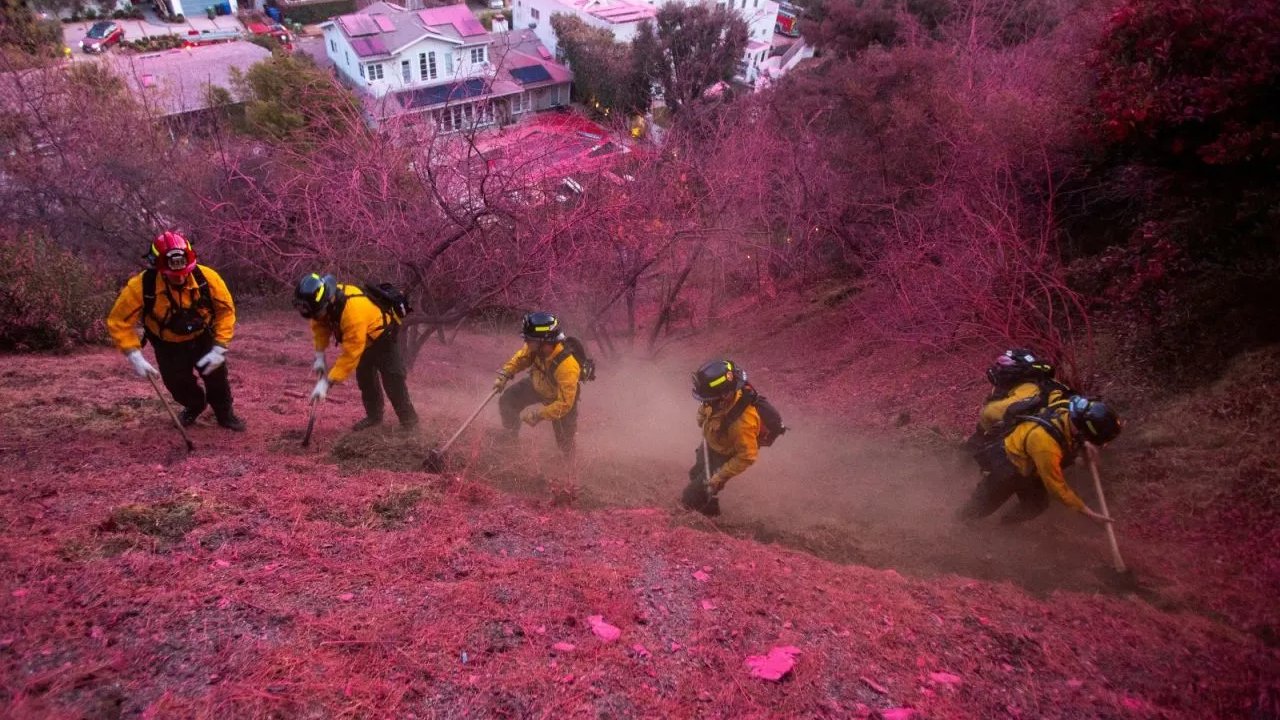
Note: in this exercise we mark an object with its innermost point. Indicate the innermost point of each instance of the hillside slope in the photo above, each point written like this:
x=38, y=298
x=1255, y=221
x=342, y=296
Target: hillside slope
x=253, y=578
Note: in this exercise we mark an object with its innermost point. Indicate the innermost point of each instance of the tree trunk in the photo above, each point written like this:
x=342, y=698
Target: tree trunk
x=664, y=315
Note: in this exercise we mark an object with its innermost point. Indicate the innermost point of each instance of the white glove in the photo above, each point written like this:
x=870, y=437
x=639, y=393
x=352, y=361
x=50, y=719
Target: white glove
x=140, y=364
x=212, y=360
x=318, y=367
x=321, y=391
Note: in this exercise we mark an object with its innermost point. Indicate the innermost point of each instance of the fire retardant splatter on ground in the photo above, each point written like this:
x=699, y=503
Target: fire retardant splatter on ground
x=253, y=578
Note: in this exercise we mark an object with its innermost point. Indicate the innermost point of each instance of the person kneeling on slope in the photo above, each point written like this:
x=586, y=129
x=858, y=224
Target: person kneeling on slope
x=1029, y=459
x=367, y=335
x=553, y=383
x=188, y=316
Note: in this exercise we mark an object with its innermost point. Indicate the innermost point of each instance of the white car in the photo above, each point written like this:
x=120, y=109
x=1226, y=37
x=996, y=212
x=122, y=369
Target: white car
x=495, y=4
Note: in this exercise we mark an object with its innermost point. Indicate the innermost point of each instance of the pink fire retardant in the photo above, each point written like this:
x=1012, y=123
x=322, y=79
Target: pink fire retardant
x=602, y=629
x=775, y=665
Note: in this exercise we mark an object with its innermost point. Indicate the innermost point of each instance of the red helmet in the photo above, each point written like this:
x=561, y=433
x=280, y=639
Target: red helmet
x=173, y=255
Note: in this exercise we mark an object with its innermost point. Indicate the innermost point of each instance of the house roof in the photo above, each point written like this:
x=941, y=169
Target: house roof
x=383, y=29
x=457, y=19
x=177, y=81
x=530, y=74
x=441, y=94
x=612, y=11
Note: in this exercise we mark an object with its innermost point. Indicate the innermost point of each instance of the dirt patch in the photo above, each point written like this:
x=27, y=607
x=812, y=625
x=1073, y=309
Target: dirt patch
x=385, y=447
x=168, y=521
x=395, y=506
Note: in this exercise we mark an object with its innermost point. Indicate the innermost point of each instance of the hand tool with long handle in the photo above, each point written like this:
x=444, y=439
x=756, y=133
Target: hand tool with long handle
x=706, y=465
x=311, y=424
x=1116, y=560
x=434, y=462
x=176, y=422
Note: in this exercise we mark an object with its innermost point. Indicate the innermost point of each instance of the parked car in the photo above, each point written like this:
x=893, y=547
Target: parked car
x=102, y=36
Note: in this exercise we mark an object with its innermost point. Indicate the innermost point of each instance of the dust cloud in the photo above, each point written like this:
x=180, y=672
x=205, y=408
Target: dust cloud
x=822, y=488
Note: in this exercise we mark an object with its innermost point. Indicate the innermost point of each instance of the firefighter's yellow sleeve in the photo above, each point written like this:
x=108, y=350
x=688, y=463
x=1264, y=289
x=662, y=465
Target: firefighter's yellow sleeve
x=993, y=412
x=122, y=321
x=704, y=412
x=567, y=375
x=743, y=435
x=361, y=324
x=321, y=334
x=1046, y=455
x=224, y=307
x=521, y=360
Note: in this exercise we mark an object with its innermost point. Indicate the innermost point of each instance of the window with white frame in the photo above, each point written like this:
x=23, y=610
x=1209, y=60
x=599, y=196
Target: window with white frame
x=521, y=103
x=375, y=71
x=432, y=68
x=422, y=66
x=333, y=46
x=361, y=69
x=406, y=72
x=477, y=55
x=533, y=13
x=448, y=64
x=464, y=117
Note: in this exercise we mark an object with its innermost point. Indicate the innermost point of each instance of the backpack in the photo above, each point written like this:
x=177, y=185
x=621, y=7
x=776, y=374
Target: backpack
x=573, y=346
x=992, y=453
x=771, y=426
x=389, y=299
x=149, y=284
x=1021, y=410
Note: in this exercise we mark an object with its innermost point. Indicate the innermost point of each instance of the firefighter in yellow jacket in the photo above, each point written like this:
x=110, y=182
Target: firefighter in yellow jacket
x=367, y=338
x=1029, y=461
x=1021, y=383
x=188, y=316
x=730, y=434
x=552, y=387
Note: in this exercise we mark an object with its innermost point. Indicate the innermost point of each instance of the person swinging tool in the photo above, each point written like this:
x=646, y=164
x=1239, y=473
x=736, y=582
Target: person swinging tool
x=1028, y=460
x=555, y=365
x=366, y=333
x=189, y=317
x=736, y=422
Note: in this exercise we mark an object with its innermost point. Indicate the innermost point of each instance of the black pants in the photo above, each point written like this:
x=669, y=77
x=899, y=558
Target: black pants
x=1001, y=481
x=695, y=494
x=383, y=358
x=522, y=395
x=177, y=365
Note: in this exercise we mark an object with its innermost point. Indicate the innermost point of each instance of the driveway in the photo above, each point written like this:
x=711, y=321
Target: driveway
x=151, y=25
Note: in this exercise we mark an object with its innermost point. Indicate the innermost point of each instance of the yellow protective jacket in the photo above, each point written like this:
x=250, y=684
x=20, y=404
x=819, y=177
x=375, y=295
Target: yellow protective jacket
x=1035, y=453
x=559, y=389
x=360, y=323
x=122, y=321
x=1021, y=399
x=739, y=440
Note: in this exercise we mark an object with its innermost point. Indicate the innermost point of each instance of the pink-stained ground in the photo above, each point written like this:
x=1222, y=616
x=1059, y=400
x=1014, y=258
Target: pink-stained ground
x=300, y=585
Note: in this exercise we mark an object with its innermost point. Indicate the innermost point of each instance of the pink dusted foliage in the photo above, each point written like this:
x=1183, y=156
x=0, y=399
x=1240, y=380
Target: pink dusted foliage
x=1184, y=80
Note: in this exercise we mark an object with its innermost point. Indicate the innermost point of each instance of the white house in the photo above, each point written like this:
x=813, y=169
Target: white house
x=442, y=61
x=620, y=17
x=623, y=17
